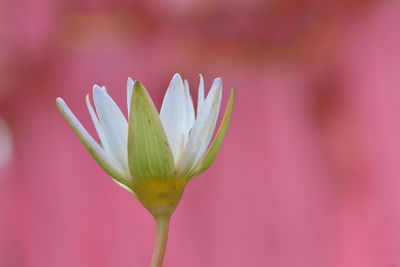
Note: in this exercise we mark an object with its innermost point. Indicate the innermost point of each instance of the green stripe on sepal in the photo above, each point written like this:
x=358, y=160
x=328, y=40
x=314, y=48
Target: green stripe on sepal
x=219, y=138
x=149, y=154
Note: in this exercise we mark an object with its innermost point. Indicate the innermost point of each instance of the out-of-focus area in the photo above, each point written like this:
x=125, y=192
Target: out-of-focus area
x=308, y=175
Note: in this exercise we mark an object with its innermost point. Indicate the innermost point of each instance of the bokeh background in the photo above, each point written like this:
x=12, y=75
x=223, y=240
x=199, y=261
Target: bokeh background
x=308, y=175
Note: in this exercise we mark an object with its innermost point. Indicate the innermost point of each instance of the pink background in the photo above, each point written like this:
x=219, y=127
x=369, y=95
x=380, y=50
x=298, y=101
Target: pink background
x=309, y=173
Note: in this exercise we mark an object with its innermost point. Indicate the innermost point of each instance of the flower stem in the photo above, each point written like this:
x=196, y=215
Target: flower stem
x=162, y=226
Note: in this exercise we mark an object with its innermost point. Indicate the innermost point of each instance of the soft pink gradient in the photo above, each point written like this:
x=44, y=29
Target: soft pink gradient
x=308, y=175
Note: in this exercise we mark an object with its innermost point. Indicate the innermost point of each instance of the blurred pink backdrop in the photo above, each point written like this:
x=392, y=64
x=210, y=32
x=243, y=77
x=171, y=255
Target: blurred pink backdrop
x=308, y=175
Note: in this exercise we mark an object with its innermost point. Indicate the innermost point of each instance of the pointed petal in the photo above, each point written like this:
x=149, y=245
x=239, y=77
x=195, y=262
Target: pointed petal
x=114, y=125
x=129, y=88
x=202, y=131
x=94, y=148
x=219, y=138
x=172, y=115
x=149, y=153
x=100, y=132
x=200, y=96
x=189, y=109
x=97, y=124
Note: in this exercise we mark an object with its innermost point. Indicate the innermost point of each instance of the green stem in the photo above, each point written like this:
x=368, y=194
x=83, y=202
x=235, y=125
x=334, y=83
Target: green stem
x=162, y=226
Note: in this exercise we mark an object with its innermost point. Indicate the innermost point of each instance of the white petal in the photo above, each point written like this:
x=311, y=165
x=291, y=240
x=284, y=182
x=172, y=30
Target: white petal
x=100, y=132
x=203, y=129
x=173, y=115
x=95, y=120
x=114, y=125
x=189, y=108
x=129, y=89
x=200, y=96
x=94, y=148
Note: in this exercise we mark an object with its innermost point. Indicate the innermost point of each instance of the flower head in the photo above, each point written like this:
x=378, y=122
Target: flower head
x=153, y=154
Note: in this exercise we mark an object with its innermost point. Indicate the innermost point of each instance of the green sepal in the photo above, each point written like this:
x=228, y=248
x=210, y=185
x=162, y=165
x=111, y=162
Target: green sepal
x=219, y=138
x=149, y=154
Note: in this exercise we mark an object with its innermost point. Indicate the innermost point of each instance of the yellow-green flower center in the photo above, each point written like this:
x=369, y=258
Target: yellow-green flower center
x=160, y=196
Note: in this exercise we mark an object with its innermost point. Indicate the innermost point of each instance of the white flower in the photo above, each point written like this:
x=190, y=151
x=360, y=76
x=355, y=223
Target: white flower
x=152, y=155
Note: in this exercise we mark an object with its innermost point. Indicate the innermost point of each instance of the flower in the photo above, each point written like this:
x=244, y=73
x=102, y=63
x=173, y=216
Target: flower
x=154, y=155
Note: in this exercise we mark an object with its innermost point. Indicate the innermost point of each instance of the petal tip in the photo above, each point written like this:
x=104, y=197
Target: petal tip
x=130, y=83
x=176, y=79
x=60, y=103
x=99, y=89
x=218, y=79
x=217, y=84
x=176, y=76
x=87, y=98
x=59, y=100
